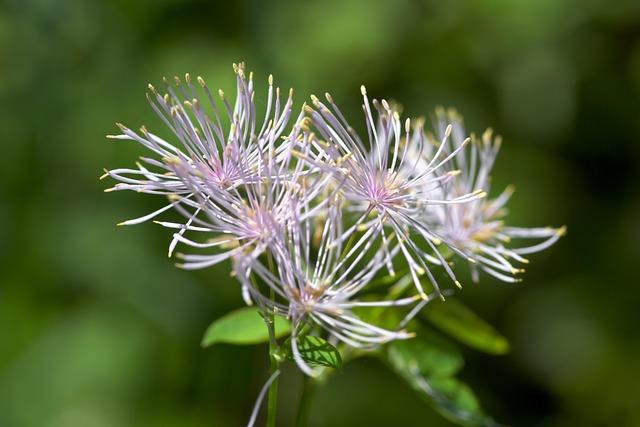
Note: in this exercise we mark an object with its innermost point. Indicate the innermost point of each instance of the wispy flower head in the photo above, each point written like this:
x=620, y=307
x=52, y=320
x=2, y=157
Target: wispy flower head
x=386, y=188
x=320, y=285
x=236, y=183
x=477, y=228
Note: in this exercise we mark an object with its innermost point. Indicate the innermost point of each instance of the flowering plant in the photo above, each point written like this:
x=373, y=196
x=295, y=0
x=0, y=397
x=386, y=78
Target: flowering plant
x=338, y=239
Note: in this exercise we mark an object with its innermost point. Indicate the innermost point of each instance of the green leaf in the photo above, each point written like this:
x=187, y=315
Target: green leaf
x=316, y=352
x=431, y=354
x=457, y=394
x=457, y=320
x=385, y=281
x=428, y=369
x=243, y=326
x=381, y=317
x=455, y=401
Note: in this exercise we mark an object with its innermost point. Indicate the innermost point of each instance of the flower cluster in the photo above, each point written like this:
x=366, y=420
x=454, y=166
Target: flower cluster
x=311, y=212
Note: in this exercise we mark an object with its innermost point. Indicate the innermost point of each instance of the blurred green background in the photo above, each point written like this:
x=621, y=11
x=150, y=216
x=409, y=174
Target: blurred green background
x=98, y=328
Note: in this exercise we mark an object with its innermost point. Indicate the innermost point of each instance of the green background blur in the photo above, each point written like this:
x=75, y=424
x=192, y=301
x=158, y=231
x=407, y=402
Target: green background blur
x=98, y=328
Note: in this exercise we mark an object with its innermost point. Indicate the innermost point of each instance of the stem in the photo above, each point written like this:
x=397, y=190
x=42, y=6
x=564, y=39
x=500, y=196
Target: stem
x=273, y=390
x=304, y=406
x=272, y=402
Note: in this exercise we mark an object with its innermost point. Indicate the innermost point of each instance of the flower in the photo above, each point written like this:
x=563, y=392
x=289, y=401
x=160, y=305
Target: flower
x=477, y=228
x=238, y=184
x=320, y=285
x=309, y=214
x=387, y=189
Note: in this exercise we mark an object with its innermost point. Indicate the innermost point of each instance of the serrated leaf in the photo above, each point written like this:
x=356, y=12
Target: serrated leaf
x=432, y=355
x=316, y=351
x=417, y=364
x=243, y=326
x=457, y=320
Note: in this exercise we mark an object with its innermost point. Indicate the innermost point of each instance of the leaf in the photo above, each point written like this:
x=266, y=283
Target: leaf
x=418, y=364
x=243, y=326
x=455, y=401
x=381, y=317
x=432, y=355
x=385, y=281
x=316, y=352
x=457, y=320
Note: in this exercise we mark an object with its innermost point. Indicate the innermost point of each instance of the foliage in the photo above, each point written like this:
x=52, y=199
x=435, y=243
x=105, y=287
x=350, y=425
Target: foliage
x=462, y=323
x=315, y=351
x=429, y=364
x=243, y=326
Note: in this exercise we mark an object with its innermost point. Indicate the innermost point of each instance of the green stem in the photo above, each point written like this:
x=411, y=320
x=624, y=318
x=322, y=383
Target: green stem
x=304, y=405
x=272, y=400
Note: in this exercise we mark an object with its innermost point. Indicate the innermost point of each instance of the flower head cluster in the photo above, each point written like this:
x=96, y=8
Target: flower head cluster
x=477, y=229
x=386, y=187
x=311, y=212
